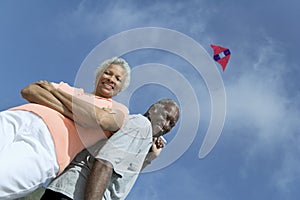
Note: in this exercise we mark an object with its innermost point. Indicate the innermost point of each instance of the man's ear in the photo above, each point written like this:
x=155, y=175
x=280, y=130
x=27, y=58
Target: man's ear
x=153, y=109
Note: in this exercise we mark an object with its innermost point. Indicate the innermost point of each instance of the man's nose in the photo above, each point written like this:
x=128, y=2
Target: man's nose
x=167, y=126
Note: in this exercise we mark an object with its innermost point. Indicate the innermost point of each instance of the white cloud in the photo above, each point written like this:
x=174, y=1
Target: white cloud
x=256, y=96
x=98, y=19
x=175, y=183
x=286, y=178
x=260, y=110
x=258, y=104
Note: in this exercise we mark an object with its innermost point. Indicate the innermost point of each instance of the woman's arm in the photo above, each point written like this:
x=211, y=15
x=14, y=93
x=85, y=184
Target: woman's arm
x=34, y=93
x=82, y=112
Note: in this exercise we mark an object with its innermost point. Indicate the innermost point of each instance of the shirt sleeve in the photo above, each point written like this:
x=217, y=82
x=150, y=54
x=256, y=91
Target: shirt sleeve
x=127, y=148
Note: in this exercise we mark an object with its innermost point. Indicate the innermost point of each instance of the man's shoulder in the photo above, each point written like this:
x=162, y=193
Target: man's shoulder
x=139, y=120
x=138, y=126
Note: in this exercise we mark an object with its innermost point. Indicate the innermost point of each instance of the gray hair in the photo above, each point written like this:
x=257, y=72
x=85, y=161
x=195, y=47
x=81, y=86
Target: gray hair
x=116, y=61
x=161, y=104
x=167, y=101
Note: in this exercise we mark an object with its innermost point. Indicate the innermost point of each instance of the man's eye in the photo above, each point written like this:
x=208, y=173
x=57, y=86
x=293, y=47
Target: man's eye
x=172, y=124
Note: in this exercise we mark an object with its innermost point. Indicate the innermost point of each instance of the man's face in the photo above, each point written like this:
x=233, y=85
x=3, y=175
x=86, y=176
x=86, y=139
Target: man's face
x=163, y=118
x=110, y=82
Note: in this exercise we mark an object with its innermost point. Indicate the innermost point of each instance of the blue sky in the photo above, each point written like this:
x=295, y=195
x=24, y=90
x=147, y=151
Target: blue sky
x=257, y=155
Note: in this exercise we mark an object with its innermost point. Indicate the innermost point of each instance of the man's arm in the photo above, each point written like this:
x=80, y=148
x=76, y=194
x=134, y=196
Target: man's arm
x=80, y=111
x=154, y=152
x=98, y=180
x=102, y=170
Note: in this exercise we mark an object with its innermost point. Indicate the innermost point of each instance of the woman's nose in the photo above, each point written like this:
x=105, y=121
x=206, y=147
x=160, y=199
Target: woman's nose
x=112, y=79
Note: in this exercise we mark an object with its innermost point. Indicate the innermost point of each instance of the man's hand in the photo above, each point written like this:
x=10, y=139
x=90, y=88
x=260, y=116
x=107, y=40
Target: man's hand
x=157, y=145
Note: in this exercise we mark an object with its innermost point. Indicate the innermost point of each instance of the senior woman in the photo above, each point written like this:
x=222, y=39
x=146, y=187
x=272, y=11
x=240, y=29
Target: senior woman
x=39, y=139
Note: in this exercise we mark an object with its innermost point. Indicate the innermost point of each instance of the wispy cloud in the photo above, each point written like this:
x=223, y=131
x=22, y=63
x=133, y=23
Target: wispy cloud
x=260, y=109
x=261, y=103
x=102, y=19
x=286, y=177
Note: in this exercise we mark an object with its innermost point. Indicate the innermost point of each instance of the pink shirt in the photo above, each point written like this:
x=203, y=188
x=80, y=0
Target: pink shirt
x=70, y=138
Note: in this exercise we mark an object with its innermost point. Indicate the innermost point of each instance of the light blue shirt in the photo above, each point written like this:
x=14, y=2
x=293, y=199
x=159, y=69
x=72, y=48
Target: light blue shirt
x=125, y=150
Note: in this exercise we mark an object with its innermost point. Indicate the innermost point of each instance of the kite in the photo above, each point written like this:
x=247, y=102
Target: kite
x=221, y=55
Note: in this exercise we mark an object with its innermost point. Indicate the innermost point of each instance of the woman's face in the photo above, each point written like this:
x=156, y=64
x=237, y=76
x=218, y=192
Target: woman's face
x=110, y=82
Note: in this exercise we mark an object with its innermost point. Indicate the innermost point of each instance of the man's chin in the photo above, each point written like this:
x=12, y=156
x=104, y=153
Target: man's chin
x=157, y=134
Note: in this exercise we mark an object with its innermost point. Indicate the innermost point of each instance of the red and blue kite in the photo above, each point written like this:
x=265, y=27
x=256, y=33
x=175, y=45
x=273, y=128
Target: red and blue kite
x=221, y=55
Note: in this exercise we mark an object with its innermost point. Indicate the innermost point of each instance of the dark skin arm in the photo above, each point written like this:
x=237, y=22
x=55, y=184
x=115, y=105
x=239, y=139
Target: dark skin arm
x=98, y=180
x=80, y=111
x=102, y=170
x=154, y=152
